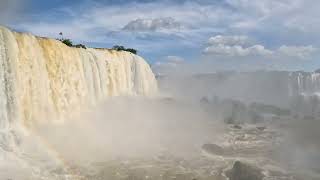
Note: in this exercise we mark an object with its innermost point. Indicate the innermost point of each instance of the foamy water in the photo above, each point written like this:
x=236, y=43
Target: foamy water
x=43, y=81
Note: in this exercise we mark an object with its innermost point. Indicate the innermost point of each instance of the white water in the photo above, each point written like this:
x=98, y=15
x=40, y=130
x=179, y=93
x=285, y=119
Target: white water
x=304, y=83
x=42, y=79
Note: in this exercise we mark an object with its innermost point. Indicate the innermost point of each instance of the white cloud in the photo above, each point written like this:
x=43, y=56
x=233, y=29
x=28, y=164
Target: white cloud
x=190, y=23
x=289, y=15
x=196, y=18
x=297, y=51
x=235, y=16
x=94, y=22
x=228, y=40
x=234, y=46
x=158, y=24
x=264, y=7
x=237, y=50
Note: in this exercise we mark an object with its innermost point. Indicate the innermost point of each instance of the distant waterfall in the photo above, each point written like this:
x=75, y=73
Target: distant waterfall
x=305, y=84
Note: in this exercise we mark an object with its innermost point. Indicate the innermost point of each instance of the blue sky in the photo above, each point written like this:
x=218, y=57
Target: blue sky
x=211, y=34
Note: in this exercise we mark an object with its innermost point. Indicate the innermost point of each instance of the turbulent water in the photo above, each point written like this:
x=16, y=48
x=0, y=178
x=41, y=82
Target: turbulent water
x=43, y=79
x=304, y=83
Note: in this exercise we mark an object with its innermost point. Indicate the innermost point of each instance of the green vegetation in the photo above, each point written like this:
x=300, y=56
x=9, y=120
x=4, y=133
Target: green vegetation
x=80, y=46
x=122, y=48
x=132, y=50
x=118, y=48
x=67, y=42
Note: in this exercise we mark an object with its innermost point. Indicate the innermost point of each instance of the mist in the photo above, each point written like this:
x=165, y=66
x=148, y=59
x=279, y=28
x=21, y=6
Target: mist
x=286, y=102
x=133, y=128
x=254, y=123
x=267, y=119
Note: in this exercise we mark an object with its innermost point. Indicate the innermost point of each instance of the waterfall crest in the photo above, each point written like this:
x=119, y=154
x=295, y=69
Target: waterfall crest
x=306, y=84
x=42, y=79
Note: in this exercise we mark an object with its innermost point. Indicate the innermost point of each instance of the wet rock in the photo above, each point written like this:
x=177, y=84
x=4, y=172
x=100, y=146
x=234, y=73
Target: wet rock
x=255, y=117
x=236, y=127
x=204, y=100
x=213, y=149
x=269, y=109
x=262, y=128
x=242, y=171
x=229, y=120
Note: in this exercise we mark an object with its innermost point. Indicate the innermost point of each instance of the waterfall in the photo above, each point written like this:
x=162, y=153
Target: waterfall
x=42, y=79
x=303, y=83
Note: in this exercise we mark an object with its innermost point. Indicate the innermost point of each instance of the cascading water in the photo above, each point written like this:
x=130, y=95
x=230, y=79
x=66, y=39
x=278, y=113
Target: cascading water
x=43, y=79
x=305, y=84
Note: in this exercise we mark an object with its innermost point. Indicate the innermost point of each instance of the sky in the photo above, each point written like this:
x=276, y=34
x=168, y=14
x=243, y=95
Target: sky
x=172, y=34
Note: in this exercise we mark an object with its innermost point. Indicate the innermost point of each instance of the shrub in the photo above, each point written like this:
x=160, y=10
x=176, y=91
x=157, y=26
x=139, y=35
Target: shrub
x=122, y=48
x=80, y=46
x=67, y=42
x=118, y=48
x=132, y=50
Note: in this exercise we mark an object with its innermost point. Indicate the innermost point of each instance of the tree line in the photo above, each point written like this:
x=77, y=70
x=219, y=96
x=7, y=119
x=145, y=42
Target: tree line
x=69, y=43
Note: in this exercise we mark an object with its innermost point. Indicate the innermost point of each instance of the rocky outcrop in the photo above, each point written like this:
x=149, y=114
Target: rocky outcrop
x=242, y=171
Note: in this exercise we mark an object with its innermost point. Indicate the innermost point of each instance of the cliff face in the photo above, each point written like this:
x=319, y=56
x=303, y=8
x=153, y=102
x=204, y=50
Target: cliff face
x=42, y=79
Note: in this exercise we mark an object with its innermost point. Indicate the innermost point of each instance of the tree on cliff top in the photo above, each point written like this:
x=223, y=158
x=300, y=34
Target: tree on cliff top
x=132, y=50
x=122, y=48
x=67, y=42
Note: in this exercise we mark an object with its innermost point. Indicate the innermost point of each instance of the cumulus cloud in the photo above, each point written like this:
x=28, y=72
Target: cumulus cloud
x=166, y=23
x=287, y=15
x=271, y=22
x=234, y=46
x=229, y=40
x=99, y=22
x=199, y=18
x=297, y=51
x=236, y=50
